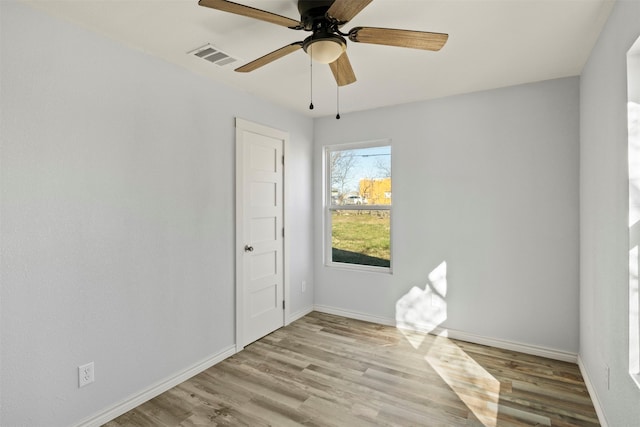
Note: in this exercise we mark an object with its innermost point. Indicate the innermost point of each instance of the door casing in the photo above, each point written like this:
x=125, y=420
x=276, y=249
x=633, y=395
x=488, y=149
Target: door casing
x=245, y=125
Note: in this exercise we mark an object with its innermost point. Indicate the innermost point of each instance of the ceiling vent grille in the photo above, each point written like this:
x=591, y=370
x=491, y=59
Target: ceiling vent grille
x=213, y=54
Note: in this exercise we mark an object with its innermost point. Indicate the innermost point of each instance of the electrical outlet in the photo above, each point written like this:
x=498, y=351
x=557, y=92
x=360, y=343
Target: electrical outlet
x=304, y=285
x=86, y=374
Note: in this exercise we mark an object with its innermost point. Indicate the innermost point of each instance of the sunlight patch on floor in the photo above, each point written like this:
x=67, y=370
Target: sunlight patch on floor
x=416, y=339
x=476, y=387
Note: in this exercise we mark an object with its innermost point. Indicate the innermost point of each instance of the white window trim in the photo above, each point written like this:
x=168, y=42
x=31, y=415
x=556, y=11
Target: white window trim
x=327, y=208
x=634, y=233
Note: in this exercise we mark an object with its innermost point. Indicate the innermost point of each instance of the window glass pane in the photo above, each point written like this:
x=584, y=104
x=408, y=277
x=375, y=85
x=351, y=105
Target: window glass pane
x=361, y=237
x=360, y=176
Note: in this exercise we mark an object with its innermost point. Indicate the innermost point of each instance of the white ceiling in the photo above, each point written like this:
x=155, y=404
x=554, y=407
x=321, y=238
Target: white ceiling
x=492, y=43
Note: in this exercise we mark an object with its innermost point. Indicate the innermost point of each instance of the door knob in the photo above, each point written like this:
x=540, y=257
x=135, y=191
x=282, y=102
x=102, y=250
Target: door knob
x=248, y=248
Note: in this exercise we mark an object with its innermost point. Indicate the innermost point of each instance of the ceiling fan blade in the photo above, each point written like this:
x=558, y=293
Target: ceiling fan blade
x=344, y=10
x=402, y=38
x=251, y=12
x=342, y=70
x=269, y=57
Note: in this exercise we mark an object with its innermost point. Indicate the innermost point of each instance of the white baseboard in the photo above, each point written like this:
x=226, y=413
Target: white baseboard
x=592, y=393
x=156, y=389
x=458, y=335
x=298, y=314
x=533, y=350
x=355, y=315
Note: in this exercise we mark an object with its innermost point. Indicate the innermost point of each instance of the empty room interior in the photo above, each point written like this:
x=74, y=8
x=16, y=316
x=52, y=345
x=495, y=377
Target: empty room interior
x=210, y=214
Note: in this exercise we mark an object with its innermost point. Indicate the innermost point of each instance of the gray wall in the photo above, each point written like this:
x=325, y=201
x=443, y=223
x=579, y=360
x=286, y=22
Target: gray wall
x=604, y=280
x=117, y=218
x=488, y=183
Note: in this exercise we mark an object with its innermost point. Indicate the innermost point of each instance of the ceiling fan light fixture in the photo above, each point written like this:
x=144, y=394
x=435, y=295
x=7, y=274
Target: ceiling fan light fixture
x=325, y=49
x=327, y=44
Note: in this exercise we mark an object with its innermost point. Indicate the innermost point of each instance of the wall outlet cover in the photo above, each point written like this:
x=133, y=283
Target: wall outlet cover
x=86, y=374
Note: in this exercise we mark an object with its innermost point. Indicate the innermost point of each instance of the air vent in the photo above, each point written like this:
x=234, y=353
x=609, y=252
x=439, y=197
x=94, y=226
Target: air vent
x=213, y=54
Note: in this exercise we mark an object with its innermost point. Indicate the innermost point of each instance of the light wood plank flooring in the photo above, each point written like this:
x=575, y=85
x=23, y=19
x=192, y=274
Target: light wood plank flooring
x=325, y=370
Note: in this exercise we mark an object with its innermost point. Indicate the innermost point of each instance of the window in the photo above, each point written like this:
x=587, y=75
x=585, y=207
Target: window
x=633, y=87
x=358, y=205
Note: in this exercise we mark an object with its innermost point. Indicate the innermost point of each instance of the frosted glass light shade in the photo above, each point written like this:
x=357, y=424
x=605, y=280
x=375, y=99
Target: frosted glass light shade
x=326, y=51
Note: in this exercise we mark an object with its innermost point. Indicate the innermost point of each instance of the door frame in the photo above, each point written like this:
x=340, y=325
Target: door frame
x=245, y=125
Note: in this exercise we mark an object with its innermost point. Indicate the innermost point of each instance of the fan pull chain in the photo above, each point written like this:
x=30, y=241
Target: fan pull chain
x=338, y=102
x=311, y=82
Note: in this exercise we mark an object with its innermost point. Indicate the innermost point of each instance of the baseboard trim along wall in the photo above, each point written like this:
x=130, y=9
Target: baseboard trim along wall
x=592, y=394
x=354, y=315
x=156, y=389
x=298, y=315
x=458, y=335
x=507, y=345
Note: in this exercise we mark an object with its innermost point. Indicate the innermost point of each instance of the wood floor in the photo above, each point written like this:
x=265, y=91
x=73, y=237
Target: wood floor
x=325, y=370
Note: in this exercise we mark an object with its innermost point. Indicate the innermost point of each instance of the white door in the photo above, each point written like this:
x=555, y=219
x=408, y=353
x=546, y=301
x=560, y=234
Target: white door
x=259, y=231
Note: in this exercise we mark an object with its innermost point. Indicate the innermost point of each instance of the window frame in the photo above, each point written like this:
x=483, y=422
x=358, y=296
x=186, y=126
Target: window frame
x=328, y=207
x=633, y=56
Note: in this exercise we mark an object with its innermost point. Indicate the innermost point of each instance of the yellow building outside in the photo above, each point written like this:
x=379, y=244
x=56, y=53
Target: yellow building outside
x=375, y=191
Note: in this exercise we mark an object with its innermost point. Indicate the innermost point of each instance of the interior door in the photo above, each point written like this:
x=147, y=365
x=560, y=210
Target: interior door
x=260, y=229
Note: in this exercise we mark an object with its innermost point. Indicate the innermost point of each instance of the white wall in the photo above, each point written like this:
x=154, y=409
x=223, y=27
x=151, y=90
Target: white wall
x=117, y=219
x=604, y=280
x=488, y=183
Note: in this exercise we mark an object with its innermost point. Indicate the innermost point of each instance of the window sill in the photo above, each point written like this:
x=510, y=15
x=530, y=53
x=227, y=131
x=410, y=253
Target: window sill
x=359, y=268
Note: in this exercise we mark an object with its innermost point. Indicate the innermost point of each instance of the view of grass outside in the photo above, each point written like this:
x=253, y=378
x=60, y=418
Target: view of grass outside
x=361, y=237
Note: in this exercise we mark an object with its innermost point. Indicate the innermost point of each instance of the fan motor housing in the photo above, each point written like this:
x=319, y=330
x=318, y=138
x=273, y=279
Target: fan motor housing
x=313, y=13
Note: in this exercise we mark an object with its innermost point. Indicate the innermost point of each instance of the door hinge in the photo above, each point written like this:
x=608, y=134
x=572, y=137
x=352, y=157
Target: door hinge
x=283, y=304
x=282, y=231
x=283, y=160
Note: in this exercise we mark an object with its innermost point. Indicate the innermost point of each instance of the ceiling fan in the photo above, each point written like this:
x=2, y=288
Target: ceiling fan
x=327, y=44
